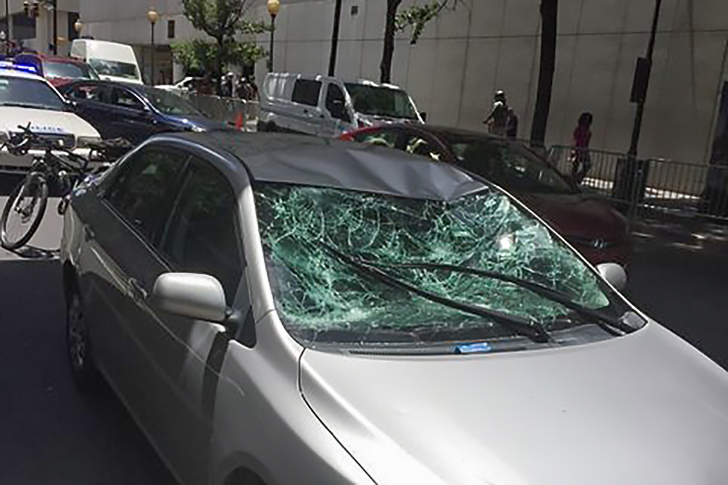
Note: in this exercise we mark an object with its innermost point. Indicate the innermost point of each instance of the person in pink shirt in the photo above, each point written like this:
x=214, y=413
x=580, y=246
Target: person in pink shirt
x=580, y=158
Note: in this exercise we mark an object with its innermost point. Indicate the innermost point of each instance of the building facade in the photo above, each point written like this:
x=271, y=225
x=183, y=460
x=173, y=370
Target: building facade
x=32, y=27
x=481, y=46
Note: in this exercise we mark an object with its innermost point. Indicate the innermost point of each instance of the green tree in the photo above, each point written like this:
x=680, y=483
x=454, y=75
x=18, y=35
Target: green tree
x=201, y=56
x=414, y=17
x=222, y=20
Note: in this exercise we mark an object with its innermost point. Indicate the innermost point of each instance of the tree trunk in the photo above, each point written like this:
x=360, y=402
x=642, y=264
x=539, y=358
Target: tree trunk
x=385, y=67
x=218, y=64
x=549, y=12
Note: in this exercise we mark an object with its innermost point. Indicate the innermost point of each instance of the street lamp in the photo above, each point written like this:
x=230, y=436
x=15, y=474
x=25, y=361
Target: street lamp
x=153, y=17
x=3, y=39
x=274, y=7
x=78, y=27
x=9, y=22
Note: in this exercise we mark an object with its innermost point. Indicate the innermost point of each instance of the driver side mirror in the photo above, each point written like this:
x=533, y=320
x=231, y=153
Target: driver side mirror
x=191, y=295
x=614, y=274
x=338, y=111
x=71, y=105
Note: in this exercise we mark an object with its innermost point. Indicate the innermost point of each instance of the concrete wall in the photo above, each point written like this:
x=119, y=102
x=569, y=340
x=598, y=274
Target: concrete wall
x=485, y=45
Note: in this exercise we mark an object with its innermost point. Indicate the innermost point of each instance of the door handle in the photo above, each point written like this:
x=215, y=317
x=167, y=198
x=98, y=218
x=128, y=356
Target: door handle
x=88, y=233
x=136, y=290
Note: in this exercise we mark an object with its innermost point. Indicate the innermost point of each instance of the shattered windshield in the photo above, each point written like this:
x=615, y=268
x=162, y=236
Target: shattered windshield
x=320, y=297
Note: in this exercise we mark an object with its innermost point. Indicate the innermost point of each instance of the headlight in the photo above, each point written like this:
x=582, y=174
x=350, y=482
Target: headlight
x=197, y=129
x=86, y=141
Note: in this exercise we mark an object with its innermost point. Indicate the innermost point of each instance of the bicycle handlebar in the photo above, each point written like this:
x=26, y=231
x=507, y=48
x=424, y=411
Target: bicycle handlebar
x=20, y=144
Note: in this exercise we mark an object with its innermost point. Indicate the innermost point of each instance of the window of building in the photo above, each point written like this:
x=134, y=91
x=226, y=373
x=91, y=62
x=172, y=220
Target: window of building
x=171, y=27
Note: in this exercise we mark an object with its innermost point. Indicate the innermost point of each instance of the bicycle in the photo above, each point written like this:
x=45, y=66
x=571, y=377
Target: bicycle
x=27, y=204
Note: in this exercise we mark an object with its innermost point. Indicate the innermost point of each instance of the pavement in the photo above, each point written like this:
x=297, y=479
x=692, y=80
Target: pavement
x=49, y=432
x=53, y=434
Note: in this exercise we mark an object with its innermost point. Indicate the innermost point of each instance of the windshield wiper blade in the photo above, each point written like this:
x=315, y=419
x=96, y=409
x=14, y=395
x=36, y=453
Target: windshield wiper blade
x=530, y=329
x=605, y=321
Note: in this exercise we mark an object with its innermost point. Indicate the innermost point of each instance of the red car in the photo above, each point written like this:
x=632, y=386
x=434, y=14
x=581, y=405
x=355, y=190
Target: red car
x=591, y=225
x=58, y=70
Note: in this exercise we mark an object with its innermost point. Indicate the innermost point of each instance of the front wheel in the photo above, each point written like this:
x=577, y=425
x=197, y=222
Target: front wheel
x=23, y=211
x=78, y=345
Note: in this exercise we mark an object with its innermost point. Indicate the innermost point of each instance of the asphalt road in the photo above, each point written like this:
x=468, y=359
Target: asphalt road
x=49, y=433
x=52, y=434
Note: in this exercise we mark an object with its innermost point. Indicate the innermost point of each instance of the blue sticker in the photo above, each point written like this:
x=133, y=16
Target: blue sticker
x=473, y=348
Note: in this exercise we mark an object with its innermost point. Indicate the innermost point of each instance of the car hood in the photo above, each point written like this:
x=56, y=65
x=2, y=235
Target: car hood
x=577, y=215
x=202, y=122
x=44, y=121
x=379, y=120
x=645, y=408
x=120, y=79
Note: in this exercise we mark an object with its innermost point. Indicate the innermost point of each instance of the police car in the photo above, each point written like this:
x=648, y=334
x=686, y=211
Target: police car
x=28, y=99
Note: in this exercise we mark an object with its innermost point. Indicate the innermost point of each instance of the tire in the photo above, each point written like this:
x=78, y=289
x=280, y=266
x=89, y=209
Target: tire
x=78, y=345
x=26, y=207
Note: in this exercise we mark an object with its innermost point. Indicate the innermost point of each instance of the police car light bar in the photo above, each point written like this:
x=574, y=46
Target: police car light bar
x=8, y=65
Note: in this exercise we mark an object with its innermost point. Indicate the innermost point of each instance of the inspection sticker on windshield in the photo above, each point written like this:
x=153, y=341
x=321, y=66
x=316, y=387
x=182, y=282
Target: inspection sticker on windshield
x=473, y=348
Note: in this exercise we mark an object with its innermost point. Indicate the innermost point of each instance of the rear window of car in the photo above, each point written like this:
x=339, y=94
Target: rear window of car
x=68, y=70
x=306, y=91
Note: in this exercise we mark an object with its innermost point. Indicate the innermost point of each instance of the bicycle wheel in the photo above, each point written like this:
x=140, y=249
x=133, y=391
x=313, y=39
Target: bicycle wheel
x=23, y=212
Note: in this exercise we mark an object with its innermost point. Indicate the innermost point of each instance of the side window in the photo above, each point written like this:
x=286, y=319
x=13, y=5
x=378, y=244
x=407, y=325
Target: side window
x=384, y=138
x=88, y=92
x=202, y=235
x=418, y=145
x=336, y=103
x=306, y=91
x=125, y=99
x=139, y=193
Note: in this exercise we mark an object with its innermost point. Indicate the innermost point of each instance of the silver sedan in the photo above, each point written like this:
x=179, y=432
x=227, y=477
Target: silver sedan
x=277, y=309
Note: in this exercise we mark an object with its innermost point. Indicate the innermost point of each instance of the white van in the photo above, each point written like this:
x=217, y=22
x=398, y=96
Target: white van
x=112, y=61
x=327, y=106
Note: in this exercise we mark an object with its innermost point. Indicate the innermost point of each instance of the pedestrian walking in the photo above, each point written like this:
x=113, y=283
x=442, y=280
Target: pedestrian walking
x=497, y=120
x=512, y=124
x=580, y=157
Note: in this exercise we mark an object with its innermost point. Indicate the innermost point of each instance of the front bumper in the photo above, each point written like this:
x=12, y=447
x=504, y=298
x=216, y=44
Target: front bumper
x=21, y=164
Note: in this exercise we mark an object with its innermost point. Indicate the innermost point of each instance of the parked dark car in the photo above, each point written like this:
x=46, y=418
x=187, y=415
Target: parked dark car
x=598, y=231
x=135, y=112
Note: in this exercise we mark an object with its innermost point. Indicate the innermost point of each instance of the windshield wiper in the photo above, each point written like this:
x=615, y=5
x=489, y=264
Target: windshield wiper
x=605, y=321
x=530, y=329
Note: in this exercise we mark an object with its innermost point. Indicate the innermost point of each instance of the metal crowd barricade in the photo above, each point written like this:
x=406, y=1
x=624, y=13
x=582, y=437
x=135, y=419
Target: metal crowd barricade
x=652, y=185
x=232, y=111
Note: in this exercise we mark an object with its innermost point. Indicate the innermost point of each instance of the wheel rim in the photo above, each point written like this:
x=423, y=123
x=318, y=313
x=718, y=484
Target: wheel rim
x=76, y=334
x=22, y=214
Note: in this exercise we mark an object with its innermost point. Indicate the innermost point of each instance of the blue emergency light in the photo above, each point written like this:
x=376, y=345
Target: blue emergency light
x=13, y=66
x=24, y=62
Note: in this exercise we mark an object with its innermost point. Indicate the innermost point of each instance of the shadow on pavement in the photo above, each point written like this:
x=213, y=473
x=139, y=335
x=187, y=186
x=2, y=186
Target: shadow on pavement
x=679, y=277
x=32, y=252
x=50, y=432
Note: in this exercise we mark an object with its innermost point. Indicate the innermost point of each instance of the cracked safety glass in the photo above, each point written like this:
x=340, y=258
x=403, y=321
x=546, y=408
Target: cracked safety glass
x=321, y=298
